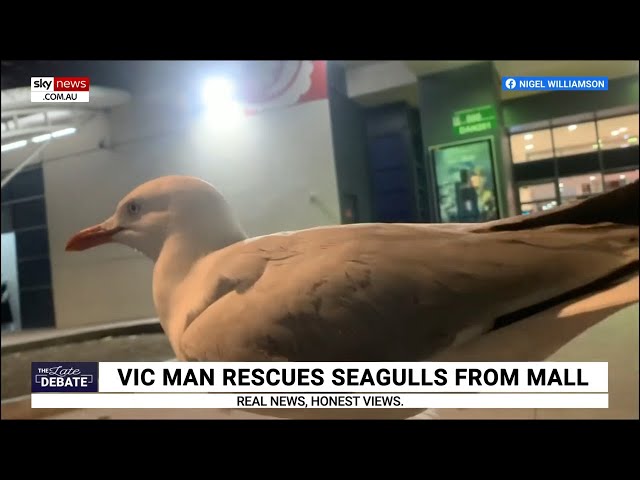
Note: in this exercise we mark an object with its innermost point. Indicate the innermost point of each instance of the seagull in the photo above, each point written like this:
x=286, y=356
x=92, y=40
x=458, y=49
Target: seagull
x=368, y=292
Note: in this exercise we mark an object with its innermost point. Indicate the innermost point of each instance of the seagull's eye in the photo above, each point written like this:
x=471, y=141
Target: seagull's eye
x=133, y=208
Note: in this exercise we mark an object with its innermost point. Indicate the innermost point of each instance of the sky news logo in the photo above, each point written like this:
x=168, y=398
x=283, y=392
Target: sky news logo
x=60, y=89
x=555, y=83
x=64, y=377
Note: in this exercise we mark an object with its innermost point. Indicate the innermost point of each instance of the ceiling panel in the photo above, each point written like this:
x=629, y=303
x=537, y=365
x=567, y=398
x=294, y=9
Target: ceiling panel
x=608, y=68
x=429, y=67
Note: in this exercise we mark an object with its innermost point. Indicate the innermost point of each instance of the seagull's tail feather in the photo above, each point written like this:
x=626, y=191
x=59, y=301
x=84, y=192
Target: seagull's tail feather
x=606, y=223
x=619, y=206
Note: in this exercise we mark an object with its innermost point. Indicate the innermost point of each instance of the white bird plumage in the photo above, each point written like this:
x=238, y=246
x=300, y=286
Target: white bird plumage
x=364, y=292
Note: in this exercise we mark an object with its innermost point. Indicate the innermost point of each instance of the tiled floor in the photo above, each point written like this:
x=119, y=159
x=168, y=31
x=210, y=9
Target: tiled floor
x=602, y=327
x=614, y=341
x=154, y=414
x=206, y=414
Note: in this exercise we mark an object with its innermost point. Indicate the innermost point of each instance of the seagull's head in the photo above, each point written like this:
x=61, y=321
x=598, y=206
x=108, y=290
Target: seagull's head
x=182, y=207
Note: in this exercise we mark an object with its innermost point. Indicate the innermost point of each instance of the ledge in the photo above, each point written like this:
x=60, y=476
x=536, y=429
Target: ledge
x=25, y=340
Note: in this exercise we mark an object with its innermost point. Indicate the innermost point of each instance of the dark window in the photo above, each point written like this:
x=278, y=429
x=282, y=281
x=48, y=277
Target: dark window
x=394, y=207
x=391, y=179
x=34, y=273
x=7, y=223
x=26, y=184
x=32, y=243
x=36, y=308
x=24, y=212
x=29, y=214
x=621, y=158
x=388, y=151
x=583, y=163
x=530, y=171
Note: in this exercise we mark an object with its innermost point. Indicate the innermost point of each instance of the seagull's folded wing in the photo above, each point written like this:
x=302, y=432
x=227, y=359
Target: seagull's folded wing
x=386, y=292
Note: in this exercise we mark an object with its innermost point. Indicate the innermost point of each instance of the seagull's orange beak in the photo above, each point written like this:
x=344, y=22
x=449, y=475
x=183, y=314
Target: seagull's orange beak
x=91, y=237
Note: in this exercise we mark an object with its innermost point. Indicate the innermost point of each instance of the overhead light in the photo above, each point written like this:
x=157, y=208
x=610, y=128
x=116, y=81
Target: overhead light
x=218, y=98
x=561, y=185
x=41, y=138
x=615, y=132
x=592, y=178
x=528, y=136
x=217, y=90
x=633, y=140
x=63, y=132
x=56, y=134
x=622, y=129
x=528, y=147
x=572, y=127
x=622, y=177
x=13, y=145
x=595, y=146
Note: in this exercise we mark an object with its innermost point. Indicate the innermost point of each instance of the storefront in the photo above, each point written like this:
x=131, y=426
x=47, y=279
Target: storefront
x=562, y=160
x=454, y=147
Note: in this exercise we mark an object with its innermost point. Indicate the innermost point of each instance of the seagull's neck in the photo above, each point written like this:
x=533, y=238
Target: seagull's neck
x=178, y=255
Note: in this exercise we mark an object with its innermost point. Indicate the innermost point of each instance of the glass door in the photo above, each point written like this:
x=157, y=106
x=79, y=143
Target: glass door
x=466, y=185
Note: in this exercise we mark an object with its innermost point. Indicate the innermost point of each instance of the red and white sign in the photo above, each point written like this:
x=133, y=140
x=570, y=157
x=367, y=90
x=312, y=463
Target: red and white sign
x=283, y=83
x=60, y=89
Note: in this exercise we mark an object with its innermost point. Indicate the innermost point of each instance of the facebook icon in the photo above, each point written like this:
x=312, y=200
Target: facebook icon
x=555, y=83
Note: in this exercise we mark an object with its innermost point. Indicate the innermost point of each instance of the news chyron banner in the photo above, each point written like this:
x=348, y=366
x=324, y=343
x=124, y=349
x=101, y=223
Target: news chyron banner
x=60, y=89
x=419, y=385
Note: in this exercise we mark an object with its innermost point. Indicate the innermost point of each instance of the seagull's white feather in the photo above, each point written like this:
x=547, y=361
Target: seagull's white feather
x=367, y=292
x=382, y=293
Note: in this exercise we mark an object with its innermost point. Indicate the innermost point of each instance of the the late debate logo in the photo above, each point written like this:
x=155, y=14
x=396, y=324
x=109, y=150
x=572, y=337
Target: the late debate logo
x=48, y=377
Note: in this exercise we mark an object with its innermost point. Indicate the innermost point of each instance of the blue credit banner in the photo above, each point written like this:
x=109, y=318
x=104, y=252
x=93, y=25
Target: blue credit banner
x=555, y=83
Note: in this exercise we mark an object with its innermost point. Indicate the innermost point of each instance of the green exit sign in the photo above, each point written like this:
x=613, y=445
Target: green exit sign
x=475, y=120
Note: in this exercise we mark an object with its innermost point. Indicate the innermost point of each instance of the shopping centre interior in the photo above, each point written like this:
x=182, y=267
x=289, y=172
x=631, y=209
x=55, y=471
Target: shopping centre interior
x=316, y=143
x=389, y=151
